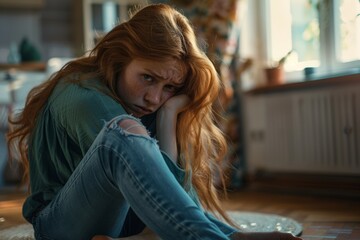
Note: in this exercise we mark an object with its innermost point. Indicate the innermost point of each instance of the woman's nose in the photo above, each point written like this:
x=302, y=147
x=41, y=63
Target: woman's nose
x=153, y=95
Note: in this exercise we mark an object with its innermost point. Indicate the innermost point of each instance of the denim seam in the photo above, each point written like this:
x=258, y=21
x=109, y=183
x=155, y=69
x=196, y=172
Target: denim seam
x=149, y=195
x=64, y=192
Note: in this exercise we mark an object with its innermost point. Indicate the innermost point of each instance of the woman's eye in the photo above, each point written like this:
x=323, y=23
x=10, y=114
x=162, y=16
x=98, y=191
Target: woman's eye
x=147, y=77
x=171, y=88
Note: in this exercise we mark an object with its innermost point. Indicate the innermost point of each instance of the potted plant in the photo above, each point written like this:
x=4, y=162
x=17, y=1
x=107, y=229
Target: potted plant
x=275, y=73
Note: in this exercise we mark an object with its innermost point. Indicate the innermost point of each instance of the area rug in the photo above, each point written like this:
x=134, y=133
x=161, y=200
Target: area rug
x=260, y=222
x=247, y=221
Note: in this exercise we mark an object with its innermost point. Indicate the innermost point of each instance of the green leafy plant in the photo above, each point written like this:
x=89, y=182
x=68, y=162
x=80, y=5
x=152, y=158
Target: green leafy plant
x=283, y=59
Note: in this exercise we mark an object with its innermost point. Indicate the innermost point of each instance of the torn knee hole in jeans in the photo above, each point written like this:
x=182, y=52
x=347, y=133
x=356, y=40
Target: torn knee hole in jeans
x=132, y=126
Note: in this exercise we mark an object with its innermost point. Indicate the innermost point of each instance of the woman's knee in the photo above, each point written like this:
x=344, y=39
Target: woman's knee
x=132, y=126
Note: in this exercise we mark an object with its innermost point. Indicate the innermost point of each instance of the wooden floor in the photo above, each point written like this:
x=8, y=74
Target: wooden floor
x=322, y=217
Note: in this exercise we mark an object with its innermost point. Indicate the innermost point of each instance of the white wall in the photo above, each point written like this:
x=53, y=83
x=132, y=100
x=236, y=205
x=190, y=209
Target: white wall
x=49, y=28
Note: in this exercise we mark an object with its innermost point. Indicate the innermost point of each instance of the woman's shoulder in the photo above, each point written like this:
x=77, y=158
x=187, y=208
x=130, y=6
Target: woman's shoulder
x=74, y=98
x=67, y=92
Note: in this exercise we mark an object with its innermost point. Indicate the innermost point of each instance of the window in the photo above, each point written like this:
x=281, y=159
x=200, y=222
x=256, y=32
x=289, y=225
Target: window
x=319, y=33
x=347, y=27
x=100, y=16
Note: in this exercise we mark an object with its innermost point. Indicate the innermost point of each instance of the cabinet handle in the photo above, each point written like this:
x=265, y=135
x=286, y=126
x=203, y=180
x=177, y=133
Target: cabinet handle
x=257, y=135
x=348, y=130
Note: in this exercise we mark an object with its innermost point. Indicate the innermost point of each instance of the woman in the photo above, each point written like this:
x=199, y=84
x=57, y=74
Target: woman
x=87, y=138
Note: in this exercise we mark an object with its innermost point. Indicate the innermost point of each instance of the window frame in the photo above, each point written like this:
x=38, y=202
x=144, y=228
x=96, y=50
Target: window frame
x=333, y=64
x=329, y=63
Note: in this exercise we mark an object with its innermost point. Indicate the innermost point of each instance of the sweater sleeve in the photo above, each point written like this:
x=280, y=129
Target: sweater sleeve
x=83, y=112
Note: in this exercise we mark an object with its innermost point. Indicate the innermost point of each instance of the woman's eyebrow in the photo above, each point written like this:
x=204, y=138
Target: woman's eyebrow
x=152, y=73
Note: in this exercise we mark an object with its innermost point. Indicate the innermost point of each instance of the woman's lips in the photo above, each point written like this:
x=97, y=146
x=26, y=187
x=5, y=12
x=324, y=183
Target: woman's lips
x=144, y=110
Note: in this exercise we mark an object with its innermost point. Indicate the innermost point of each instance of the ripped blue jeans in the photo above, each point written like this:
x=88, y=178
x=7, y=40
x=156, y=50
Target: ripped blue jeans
x=123, y=169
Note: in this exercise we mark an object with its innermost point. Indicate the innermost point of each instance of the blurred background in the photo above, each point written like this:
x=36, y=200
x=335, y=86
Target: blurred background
x=290, y=69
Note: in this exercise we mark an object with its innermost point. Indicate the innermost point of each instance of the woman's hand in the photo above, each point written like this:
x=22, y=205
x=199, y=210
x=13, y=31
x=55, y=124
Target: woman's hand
x=175, y=105
x=166, y=120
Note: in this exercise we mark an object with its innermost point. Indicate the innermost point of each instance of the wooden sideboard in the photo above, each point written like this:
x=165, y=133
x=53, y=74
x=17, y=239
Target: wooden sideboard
x=21, y=3
x=29, y=66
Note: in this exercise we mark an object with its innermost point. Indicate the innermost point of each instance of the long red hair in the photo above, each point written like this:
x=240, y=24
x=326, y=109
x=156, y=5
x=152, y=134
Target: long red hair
x=155, y=32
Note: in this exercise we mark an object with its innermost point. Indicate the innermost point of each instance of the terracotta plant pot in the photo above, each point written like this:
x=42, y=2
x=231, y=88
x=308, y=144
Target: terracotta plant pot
x=275, y=75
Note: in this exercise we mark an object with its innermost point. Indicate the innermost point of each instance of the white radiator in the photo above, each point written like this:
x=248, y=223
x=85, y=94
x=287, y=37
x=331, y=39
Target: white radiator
x=312, y=131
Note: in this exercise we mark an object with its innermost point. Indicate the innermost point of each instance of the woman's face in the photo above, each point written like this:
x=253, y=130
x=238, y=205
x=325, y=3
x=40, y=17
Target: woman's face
x=145, y=85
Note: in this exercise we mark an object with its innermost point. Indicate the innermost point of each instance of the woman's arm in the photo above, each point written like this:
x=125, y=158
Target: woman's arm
x=166, y=120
